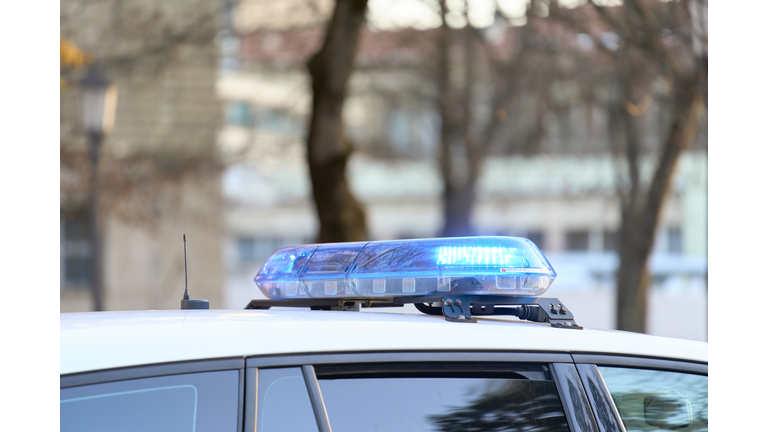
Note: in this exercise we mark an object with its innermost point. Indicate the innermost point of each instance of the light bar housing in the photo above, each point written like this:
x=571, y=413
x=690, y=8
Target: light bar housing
x=398, y=268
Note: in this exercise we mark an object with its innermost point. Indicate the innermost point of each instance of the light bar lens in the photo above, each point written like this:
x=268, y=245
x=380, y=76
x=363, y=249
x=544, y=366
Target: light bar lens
x=472, y=265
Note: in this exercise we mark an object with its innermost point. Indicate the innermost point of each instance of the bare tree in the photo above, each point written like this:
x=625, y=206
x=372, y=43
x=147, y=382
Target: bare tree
x=648, y=52
x=641, y=26
x=653, y=53
x=465, y=136
x=341, y=216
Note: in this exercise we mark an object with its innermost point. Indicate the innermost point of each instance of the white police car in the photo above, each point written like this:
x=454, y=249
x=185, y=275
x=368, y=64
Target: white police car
x=459, y=367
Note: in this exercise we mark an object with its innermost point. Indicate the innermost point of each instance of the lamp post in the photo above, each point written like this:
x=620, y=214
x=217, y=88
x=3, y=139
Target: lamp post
x=98, y=103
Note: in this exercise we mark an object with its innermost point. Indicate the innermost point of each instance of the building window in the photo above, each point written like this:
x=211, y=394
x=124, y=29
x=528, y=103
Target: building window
x=252, y=249
x=610, y=241
x=576, y=241
x=238, y=113
x=674, y=241
x=75, y=249
x=246, y=249
x=537, y=237
x=276, y=121
x=413, y=132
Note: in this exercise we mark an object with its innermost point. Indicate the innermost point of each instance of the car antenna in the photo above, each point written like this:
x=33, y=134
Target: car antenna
x=186, y=302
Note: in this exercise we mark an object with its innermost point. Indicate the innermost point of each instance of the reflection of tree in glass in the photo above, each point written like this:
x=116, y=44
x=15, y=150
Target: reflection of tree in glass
x=387, y=256
x=521, y=405
x=630, y=387
x=574, y=398
x=601, y=404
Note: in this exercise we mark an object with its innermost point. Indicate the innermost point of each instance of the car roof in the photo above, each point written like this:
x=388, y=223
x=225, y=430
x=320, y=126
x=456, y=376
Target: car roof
x=93, y=341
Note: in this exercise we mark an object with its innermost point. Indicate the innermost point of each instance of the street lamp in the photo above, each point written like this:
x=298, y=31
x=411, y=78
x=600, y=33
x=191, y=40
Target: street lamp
x=98, y=103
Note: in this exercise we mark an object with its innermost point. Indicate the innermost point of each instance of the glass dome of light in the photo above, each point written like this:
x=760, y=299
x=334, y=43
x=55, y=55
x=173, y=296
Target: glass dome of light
x=398, y=268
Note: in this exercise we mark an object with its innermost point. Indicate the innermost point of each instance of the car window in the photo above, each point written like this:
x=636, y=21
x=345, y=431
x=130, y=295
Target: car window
x=649, y=400
x=284, y=403
x=442, y=404
x=199, y=402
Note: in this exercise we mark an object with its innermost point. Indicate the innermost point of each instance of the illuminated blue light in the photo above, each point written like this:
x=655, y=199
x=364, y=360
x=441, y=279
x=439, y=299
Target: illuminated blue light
x=478, y=255
x=478, y=265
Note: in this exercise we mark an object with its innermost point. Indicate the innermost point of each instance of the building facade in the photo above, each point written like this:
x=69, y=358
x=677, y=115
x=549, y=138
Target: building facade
x=158, y=172
x=563, y=198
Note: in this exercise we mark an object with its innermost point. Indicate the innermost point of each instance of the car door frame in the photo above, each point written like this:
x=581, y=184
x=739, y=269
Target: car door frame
x=564, y=366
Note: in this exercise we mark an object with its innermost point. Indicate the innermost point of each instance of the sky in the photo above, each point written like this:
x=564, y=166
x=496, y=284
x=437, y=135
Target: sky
x=391, y=14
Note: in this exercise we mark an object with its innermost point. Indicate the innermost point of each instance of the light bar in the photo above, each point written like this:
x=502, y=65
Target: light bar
x=388, y=269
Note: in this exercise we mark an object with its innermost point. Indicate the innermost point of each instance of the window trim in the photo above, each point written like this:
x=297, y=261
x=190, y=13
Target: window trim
x=147, y=371
x=673, y=365
x=407, y=356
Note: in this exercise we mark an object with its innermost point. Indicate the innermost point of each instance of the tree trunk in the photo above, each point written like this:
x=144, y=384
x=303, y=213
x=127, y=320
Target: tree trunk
x=459, y=159
x=633, y=278
x=458, y=201
x=641, y=210
x=340, y=215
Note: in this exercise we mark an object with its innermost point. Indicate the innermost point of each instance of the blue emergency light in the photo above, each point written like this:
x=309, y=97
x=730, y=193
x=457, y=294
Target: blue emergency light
x=403, y=268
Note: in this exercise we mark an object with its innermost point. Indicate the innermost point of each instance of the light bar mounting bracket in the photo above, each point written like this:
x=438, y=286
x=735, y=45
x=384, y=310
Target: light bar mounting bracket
x=454, y=307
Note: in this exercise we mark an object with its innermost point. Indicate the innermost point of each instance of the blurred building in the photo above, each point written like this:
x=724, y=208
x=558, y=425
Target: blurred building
x=566, y=205
x=182, y=67
x=562, y=198
x=159, y=173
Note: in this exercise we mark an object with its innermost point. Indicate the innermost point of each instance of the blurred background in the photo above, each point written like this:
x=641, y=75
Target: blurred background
x=249, y=125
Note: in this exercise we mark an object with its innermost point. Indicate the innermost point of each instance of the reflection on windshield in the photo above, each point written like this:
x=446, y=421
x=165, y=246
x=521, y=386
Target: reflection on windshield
x=442, y=404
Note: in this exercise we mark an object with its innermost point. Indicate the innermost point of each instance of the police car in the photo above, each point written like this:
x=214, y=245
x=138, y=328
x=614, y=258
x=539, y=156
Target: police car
x=488, y=353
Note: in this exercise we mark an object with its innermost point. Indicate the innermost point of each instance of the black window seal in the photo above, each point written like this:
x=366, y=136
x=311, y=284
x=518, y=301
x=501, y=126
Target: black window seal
x=431, y=369
x=656, y=363
x=148, y=371
x=406, y=356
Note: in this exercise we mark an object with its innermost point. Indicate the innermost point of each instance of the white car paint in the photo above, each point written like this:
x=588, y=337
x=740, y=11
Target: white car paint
x=104, y=340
